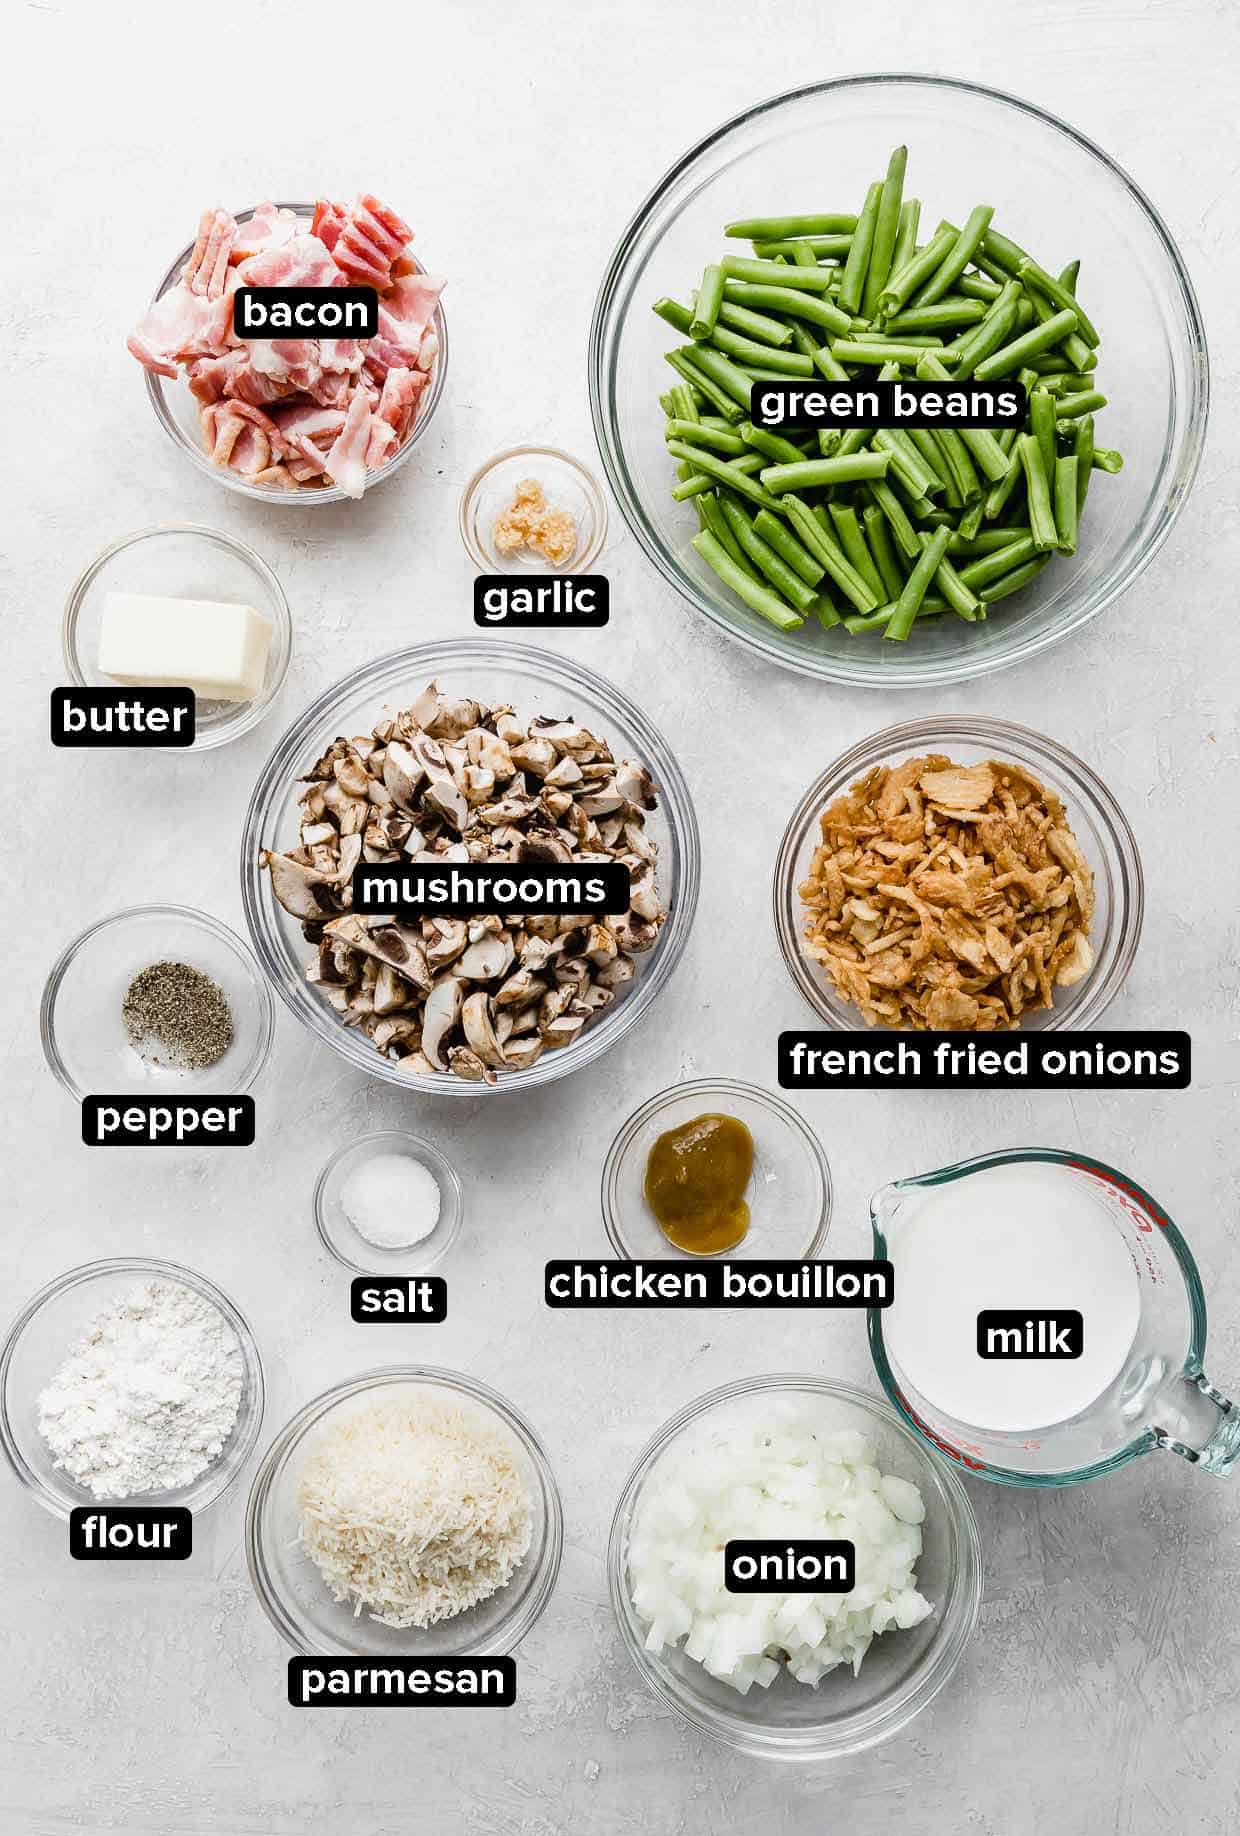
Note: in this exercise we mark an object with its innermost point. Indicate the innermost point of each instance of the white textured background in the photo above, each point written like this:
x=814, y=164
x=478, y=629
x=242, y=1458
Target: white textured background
x=1100, y=1693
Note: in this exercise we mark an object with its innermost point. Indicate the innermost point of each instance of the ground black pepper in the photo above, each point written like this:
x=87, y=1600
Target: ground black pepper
x=177, y=1016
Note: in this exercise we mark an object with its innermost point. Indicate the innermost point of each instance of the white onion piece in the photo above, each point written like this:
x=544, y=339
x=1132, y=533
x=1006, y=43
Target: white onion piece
x=782, y=1477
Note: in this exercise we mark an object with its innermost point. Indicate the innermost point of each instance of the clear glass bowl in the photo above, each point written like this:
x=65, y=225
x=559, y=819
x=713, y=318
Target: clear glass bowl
x=45, y=1331
x=1058, y=195
x=534, y=682
x=346, y=1242
x=1095, y=817
x=567, y=485
x=83, y=1032
x=902, y=1671
x=182, y=561
x=292, y=1592
x=177, y=411
x=789, y=1195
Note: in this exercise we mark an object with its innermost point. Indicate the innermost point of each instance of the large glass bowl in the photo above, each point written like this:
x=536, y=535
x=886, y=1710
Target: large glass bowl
x=1096, y=819
x=293, y=1593
x=533, y=682
x=39, y=1340
x=177, y=411
x=902, y=1671
x=1055, y=193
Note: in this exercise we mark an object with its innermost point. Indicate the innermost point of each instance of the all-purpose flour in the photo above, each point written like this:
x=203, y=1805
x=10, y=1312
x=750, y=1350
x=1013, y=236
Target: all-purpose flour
x=145, y=1401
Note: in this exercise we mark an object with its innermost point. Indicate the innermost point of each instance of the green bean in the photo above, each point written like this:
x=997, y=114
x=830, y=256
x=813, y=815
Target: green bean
x=1042, y=427
x=788, y=300
x=684, y=405
x=757, y=597
x=957, y=457
x=1087, y=402
x=786, y=546
x=906, y=235
x=971, y=520
x=980, y=442
x=916, y=587
x=931, y=457
x=812, y=473
x=707, y=303
x=1010, y=357
x=855, y=268
x=957, y=257
x=774, y=274
x=848, y=534
x=724, y=472
x=907, y=464
x=956, y=591
x=783, y=363
x=727, y=375
x=979, y=287
x=1083, y=447
x=1003, y=253
x=942, y=316
x=886, y=230
x=1058, y=294
x=774, y=446
x=667, y=404
x=1106, y=459
x=692, y=485
x=1037, y=489
x=825, y=610
x=916, y=269
x=906, y=536
x=1074, y=346
x=758, y=325
x=675, y=314
x=985, y=542
x=766, y=559
x=1013, y=582
x=1068, y=276
x=869, y=350
x=819, y=543
x=830, y=366
x=730, y=410
x=878, y=540
x=697, y=434
x=817, y=248
x=711, y=512
x=1001, y=491
x=978, y=574
x=1065, y=502
x=773, y=229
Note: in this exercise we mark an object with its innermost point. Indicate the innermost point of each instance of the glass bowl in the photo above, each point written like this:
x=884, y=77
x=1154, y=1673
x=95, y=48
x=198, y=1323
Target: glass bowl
x=1095, y=817
x=534, y=682
x=183, y=561
x=789, y=1194
x=45, y=1330
x=291, y=1590
x=567, y=485
x=84, y=1037
x=1058, y=195
x=346, y=1242
x=902, y=1672
x=177, y=411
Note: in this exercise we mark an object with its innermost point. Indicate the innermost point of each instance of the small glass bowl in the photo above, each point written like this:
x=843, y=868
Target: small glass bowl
x=902, y=1672
x=83, y=1032
x=46, y=1330
x=567, y=485
x=177, y=411
x=182, y=561
x=1059, y=195
x=534, y=681
x=348, y=1245
x=1096, y=820
x=789, y=1194
x=292, y=1592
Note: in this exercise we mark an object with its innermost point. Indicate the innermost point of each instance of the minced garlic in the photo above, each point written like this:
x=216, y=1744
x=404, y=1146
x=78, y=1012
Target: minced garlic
x=528, y=523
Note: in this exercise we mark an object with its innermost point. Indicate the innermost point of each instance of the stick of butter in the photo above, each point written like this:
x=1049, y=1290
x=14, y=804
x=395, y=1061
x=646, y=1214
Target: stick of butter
x=217, y=649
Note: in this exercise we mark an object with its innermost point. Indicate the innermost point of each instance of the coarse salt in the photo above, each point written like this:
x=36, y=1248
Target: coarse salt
x=391, y=1200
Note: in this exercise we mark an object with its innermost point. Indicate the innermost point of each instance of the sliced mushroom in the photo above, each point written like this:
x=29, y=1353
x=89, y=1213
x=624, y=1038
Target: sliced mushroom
x=439, y=1016
x=466, y=1064
x=520, y=1054
x=302, y=891
x=485, y=960
x=479, y=1031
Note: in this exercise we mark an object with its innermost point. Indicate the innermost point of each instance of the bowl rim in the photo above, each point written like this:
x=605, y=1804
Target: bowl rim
x=150, y=1267
x=676, y=804
x=578, y=563
x=249, y=713
x=703, y=1087
x=830, y=666
x=186, y=914
x=965, y=1594
x=547, y=1563
x=904, y=739
x=274, y=494
x=451, y=1201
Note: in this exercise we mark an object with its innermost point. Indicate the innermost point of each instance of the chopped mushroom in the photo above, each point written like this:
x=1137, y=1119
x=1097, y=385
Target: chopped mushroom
x=451, y=779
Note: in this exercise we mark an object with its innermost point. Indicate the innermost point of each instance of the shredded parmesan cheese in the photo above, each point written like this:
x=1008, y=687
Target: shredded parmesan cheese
x=414, y=1509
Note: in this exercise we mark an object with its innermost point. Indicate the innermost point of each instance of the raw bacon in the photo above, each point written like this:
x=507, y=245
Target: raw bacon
x=294, y=413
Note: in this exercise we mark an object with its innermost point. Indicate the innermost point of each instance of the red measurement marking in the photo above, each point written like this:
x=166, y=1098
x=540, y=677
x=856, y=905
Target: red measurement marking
x=1129, y=1196
x=936, y=1440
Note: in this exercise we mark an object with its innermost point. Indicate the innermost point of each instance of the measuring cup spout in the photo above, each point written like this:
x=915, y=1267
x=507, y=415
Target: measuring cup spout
x=1202, y=1425
x=883, y=1206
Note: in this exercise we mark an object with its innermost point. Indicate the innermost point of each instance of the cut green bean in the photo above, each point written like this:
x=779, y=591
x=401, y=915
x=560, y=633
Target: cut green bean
x=767, y=559
x=748, y=350
x=721, y=370
x=1038, y=491
x=903, y=282
x=1064, y=502
x=1042, y=427
x=956, y=591
x=957, y=258
x=800, y=305
x=823, y=545
x=870, y=350
x=1088, y=401
x=772, y=445
x=878, y=539
x=907, y=539
x=811, y=474
x=776, y=229
x=907, y=464
x=758, y=325
x=1083, y=447
x=916, y=587
x=857, y=265
x=1039, y=338
x=1074, y=348
x=906, y=235
x=1106, y=459
x=944, y=315
x=707, y=303
x=786, y=546
x=978, y=574
x=1013, y=582
x=804, y=248
x=774, y=274
x=724, y=472
x=886, y=230
x=696, y=433
x=1037, y=278
x=848, y=534
x=757, y=597
x=729, y=409
x=711, y=512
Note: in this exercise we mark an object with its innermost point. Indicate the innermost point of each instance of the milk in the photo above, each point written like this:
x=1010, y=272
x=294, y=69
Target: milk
x=1009, y=1237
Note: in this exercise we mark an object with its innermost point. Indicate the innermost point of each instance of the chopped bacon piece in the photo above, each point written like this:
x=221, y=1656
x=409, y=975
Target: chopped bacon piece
x=207, y=266
x=346, y=462
x=396, y=226
x=306, y=420
x=268, y=228
x=303, y=261
x=171, y=328
x=371, y=238
x=413, y=300
x=209, y=377
x=328, y=222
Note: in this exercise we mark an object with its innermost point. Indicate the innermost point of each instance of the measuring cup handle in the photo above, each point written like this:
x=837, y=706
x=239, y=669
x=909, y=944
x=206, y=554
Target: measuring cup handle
x=1213, y=1421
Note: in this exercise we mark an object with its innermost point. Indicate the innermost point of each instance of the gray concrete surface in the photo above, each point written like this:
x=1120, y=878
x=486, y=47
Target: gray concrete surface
x=1100, y=1693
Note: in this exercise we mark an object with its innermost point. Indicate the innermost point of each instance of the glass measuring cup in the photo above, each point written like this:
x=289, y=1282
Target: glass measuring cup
x=1161, y=1398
